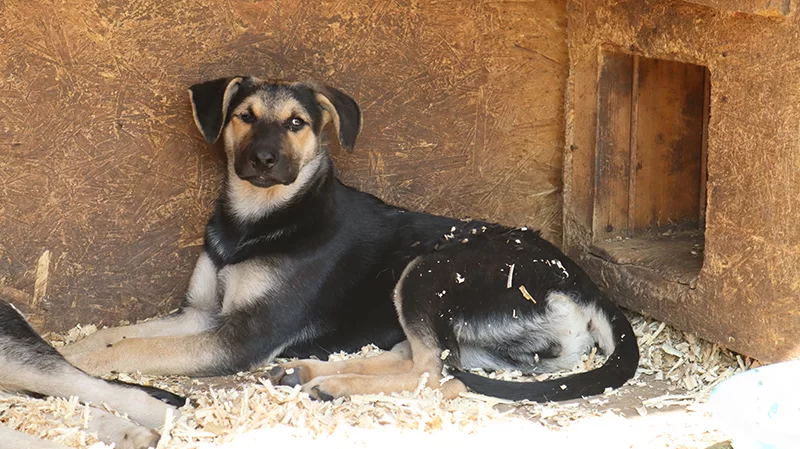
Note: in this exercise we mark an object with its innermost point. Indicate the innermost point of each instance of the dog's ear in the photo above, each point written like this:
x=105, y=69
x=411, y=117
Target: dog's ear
x=344, y=112
x=210, y=102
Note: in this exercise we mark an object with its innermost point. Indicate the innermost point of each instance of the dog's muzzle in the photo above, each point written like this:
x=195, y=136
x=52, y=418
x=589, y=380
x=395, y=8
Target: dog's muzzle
x=265, y=168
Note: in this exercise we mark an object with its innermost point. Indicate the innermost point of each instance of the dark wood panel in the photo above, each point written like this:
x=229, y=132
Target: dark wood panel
x=669, y=143
x=613, y=146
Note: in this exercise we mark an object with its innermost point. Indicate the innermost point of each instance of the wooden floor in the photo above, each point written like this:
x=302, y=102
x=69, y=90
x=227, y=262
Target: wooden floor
x=675, y=256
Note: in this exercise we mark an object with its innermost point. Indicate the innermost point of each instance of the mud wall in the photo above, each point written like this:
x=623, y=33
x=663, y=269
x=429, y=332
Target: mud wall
x=105, y=185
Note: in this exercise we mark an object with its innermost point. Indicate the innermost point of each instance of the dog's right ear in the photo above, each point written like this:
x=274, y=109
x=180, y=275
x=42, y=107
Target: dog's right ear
x=210, y=102
x=344, y=112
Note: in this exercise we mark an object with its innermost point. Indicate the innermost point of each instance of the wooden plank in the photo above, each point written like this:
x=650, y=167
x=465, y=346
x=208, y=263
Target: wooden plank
x=669, y=143
x=613, y=146
x=633, y=143
x=704, y=156
x=581, y=150
x=674, y=258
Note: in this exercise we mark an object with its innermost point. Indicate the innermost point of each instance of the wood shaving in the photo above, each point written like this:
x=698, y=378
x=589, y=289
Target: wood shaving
x=245, y=409
x=525, y=293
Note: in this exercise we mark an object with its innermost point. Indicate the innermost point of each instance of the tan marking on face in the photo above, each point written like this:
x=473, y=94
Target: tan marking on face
x=240, y=135
x=260, y=110
x=303, y=144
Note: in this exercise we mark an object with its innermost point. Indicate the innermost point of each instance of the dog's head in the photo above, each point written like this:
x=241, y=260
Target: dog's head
x=272, y=130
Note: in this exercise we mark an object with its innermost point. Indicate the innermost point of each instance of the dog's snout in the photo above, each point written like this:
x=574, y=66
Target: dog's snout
x=264, y=159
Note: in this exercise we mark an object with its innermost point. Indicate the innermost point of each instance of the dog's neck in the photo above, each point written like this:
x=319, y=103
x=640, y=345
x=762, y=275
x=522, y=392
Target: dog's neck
x=247, y=203
x=248, y=219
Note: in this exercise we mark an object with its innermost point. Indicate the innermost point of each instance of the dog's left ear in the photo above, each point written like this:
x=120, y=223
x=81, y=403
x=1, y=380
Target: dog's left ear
x=344, y=112
x=210, y=102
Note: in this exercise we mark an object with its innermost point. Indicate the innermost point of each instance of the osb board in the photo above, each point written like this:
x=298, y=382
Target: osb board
x=775, y=8
x=745, y=296
x=103, y=171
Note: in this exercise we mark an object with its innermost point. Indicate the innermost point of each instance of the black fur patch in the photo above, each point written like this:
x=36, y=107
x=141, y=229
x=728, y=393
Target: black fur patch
x=20, y=344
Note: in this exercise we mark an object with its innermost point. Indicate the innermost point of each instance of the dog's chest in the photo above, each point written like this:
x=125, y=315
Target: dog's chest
x=247, y=283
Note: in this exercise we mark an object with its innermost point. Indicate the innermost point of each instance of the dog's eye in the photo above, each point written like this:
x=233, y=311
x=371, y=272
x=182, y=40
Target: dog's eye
x=296, y=123
x=247, y=117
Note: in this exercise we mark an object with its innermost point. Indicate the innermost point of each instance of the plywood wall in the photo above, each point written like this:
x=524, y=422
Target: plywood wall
x=105, y=185
x=747, y=294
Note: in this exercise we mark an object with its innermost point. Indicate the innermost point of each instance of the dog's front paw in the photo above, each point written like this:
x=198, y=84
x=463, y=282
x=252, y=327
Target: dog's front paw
x=138, y=438
x=327, y=388
x=294, y=373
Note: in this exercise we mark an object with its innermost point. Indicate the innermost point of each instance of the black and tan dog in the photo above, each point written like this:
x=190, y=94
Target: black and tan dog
x=296, y=263
x=30, y=365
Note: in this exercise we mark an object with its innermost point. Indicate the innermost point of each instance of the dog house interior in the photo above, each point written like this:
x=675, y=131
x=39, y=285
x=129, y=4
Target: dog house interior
x=650, y=177
x=664, y=198
x=657, y=142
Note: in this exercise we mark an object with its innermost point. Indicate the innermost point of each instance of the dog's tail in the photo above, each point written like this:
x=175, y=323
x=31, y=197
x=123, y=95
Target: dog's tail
x=164, y=396
x=620, y=366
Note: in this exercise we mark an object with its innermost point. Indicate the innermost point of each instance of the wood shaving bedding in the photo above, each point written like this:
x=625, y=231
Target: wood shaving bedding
x=237, y=411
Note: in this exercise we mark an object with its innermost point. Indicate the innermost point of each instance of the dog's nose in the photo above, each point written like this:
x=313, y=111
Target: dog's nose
x=264, y=160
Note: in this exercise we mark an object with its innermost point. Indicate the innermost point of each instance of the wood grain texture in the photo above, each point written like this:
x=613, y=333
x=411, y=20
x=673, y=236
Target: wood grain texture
x=101, y=164
x=669, y=141
x=746, y=295
x=614, y=113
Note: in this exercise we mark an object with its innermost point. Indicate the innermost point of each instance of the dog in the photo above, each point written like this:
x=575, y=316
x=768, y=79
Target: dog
x=295, y=263
x=30, y=365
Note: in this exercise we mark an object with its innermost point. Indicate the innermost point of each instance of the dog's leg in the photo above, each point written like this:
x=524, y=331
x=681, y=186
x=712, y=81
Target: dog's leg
x=197, y=316
x=66, y=381
x=17, y=440
x=188, y=321
x=425, y=361
x=198, y=354
x=235, y=344
x=123, y=433
x=298, y=372
x=29, y=364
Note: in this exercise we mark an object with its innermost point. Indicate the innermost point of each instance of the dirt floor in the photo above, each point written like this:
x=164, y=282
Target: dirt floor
x=662, y=407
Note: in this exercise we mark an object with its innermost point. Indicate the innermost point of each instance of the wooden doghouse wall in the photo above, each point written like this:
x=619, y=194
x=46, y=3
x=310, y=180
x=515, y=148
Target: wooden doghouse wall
x=105, y=185
x=747, y=293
